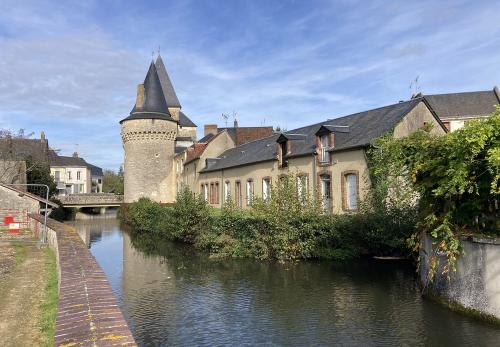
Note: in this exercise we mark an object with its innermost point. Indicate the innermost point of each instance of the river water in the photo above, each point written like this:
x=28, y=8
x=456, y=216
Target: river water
x=174, y=296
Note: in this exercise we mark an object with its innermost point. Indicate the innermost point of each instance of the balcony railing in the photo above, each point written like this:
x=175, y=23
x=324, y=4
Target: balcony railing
x=324, y=155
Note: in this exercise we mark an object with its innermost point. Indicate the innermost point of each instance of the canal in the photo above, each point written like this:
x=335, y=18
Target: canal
x=174, y=296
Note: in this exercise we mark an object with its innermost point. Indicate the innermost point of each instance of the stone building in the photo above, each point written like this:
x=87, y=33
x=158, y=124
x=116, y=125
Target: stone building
x=151, y=135
x=457, y=108
x=328, y=158
x=13, y=154
x=71, y=174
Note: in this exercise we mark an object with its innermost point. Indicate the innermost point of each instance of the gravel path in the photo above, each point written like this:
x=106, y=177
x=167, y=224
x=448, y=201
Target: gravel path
x=22, y=290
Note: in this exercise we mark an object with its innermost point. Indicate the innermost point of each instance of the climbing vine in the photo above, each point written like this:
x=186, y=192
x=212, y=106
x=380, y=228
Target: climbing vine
x=452, y=180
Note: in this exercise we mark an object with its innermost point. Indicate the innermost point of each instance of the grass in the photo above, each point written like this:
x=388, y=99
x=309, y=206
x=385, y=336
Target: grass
x=20, y=252
x=49, y=306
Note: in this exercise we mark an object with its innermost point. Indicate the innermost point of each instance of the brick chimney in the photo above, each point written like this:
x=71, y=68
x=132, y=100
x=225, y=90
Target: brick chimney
x=210, y=129
x=42, y=135
x=75, y=154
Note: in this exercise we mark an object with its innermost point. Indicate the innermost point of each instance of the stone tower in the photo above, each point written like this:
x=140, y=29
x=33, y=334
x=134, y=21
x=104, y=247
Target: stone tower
x=148, y=136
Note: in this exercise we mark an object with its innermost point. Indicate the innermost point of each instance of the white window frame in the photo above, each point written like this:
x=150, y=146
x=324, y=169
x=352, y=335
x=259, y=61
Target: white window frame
x=266, y=188
x=227, y=191
x=351, y=191
x=250, y=192
x=205, y=192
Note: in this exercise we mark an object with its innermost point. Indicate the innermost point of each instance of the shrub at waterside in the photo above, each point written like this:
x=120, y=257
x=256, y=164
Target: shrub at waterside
x=284, y=227
x=444, y=185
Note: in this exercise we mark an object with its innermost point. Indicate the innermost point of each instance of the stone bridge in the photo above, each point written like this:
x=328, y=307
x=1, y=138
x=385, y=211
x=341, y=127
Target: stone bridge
x=91, y=200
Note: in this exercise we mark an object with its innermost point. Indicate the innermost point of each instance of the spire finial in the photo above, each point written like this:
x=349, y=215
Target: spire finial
x=158, y=50
x=153, y=54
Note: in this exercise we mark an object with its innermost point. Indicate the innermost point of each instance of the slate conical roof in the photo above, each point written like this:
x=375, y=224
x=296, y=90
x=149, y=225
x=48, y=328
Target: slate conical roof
x=155, y=105
x=166, y=84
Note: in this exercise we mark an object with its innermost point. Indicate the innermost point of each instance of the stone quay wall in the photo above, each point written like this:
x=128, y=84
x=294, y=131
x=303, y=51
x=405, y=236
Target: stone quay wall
x=476, y=283
x=87, y=311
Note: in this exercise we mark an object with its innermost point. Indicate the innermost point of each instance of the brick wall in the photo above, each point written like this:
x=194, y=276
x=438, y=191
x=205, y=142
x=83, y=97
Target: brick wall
x=87, y=311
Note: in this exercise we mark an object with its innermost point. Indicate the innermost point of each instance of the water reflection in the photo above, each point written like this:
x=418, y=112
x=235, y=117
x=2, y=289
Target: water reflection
x=172, y=295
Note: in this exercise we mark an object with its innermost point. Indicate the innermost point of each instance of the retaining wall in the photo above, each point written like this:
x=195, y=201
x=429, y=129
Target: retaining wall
x=87, y=312
x=476, y=283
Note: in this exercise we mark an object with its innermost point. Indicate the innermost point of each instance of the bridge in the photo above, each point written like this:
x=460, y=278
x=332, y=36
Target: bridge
x=99, y=200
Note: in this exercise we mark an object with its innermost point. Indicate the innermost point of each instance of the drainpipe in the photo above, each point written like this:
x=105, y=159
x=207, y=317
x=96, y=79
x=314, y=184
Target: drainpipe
x=314, y=154
x=222, y=201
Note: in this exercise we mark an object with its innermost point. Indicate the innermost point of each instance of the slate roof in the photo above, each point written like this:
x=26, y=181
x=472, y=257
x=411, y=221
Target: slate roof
x=166, y=84
x=155, y=106
x=95, y=170
x=206, y=138
x=59, y=160
x=184, y=120
x=463, y=105
x=363, y=128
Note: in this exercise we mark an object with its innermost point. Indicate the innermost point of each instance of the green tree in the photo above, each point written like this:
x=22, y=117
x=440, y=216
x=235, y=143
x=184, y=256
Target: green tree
x=39, y=173
x=113, y=182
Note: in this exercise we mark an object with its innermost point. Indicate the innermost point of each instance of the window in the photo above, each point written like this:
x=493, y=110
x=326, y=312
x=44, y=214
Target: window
x=325, y=189
x=249, y=192
x=69, y=175
x=216, y=195
x=227, y=191
x=302, y=188
x=78, y=175
x=204, y=189
x=57, y=176
x=266, y=188
x=99, y=181
x=237, y=188
x=324, y=155
x=211, y=193
x=350, y=191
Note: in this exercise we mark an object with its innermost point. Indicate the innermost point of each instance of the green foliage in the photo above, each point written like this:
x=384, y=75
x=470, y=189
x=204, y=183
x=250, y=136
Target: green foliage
x=113, y=182
x=452, y=181
x=39, y=173
x=62, y=213
x=284, y=227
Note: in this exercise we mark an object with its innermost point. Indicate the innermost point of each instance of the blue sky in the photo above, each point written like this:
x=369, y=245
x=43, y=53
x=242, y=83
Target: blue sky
x=71, y=68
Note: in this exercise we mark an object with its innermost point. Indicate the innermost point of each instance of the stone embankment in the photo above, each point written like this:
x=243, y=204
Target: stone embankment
x=475, y=285
x=87, y=312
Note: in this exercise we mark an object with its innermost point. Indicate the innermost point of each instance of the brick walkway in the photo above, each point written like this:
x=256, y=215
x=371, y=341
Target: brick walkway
x=87, y=313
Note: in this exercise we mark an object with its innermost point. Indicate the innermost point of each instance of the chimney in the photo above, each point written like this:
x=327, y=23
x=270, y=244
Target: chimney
x=235, y=122
x=42, y=136
x=139, y=101
x=210, y=129
x=75, y=154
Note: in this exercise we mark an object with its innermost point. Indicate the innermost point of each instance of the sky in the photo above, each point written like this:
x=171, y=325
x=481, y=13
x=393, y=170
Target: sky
x=70, y=68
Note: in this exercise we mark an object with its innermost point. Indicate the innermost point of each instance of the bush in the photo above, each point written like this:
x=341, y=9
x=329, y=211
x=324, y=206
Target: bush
x=282, y=228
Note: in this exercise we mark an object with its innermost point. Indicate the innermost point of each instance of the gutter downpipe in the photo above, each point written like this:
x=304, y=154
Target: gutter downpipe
x=222, y=187
x=314, y=154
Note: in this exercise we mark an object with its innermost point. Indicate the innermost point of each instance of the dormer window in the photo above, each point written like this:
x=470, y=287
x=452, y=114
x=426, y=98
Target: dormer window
x=285, y=147
x=283, y=150
x=325, y=141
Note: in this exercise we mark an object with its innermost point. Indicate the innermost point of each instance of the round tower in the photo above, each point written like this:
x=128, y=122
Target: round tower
x=148, y=137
